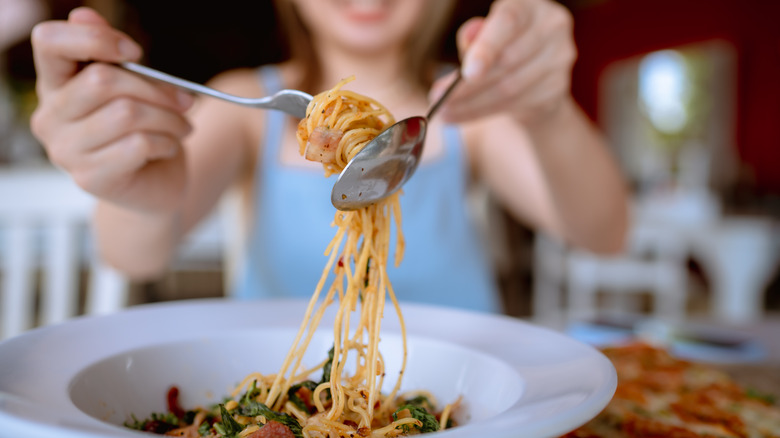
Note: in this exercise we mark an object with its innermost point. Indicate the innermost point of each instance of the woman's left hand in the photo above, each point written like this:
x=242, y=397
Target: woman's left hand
x=517, y=60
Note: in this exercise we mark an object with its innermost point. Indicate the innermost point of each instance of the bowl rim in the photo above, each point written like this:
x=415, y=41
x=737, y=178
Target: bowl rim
x=552, y=364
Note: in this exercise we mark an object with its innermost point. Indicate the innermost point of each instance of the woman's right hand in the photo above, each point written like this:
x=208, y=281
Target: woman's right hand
x=118, y=135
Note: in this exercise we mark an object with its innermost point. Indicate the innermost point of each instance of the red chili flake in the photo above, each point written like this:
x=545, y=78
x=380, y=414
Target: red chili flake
x=173, y=402
x=341, y=262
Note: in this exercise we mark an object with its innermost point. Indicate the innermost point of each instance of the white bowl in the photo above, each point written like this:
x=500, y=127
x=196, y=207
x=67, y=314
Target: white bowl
x=206, y=369
x=86, y=377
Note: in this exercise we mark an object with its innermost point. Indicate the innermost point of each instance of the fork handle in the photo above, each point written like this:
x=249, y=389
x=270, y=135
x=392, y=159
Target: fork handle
x=191, y=86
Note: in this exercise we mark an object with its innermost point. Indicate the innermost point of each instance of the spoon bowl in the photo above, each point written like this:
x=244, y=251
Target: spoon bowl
x=386, y=163
x=382, y=167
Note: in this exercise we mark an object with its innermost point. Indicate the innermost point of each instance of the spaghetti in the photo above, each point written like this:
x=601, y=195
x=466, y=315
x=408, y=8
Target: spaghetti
x=338, y=124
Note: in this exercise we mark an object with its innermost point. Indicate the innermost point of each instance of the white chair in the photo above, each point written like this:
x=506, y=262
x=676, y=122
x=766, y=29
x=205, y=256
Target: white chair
x=738, y=255
x=44, y=220
x=654, y=264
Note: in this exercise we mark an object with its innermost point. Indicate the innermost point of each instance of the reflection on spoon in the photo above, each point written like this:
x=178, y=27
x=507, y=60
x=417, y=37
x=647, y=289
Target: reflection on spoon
x=386, y=163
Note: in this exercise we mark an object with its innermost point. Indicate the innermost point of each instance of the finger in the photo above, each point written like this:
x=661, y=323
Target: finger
x=118, y=119
x=555, y=59
x=129, y=159
x=60, y=46
x=548, y=25
x=86, y=15
x=505, y=20
x=124, y=116
x=535, y=100
x=127, y=155
x=516, y=103
x=467, y=32
x=101, y=83
x=517, y=57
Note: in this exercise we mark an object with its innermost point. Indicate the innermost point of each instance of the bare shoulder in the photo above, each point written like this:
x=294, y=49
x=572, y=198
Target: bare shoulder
x=247, y=81
x=226, y=132
x=242, y=127
x=243, y=81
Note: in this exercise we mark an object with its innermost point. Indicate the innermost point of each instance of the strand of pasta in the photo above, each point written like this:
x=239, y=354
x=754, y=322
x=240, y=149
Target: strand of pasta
x=277, y=387
x=447, y=412
x=361, y=246
x=394, y=300
x=339, y=325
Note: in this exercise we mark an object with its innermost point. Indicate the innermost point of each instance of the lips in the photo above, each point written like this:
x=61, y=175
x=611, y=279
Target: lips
x=366, y=16
x=366, y=11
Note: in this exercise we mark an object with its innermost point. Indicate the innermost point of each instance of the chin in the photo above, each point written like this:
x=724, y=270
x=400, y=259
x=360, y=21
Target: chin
x=362, y=25
x=368, y=44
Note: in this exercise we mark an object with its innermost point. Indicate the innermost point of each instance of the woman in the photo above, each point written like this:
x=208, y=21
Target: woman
x=158, y=165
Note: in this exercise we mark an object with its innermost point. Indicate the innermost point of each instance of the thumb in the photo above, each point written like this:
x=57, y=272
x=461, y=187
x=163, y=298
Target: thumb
x=85, y=15
x=88, y=16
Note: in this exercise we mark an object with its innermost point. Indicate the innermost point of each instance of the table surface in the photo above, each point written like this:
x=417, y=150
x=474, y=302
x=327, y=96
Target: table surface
x=763, y=375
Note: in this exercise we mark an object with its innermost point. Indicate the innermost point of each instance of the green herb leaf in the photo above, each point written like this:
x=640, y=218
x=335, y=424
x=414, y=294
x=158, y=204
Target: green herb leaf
x=253, y=408
x=760, y=396
x=135, y=424
x=421, y=401
x=429, y=422
x=326, y=370
x=164, y=421
x=292, y=394
x=250, y=394
x=231, y=427
x=188, y=417
x=204, y=428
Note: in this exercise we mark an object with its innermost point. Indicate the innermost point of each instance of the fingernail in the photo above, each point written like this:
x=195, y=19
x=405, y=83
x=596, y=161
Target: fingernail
x=472, y=67
x=129, y=50
x=185, y=99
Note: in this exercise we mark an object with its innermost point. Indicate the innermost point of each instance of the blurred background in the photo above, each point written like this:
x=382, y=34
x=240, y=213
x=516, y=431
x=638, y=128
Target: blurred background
x=687, y=92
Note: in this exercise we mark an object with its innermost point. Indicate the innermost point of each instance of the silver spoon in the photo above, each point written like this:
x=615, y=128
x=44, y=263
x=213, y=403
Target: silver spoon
x=385, y=163
x=293, y=102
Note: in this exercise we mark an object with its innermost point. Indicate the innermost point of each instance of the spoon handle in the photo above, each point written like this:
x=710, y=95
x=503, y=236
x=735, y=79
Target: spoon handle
x=447, y=92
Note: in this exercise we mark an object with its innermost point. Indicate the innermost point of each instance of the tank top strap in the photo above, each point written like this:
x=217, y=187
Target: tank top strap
x=455, y=151
x=271, y=80
x=269, y=76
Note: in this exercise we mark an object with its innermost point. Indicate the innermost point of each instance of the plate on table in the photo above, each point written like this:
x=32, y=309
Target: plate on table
x=85, y=378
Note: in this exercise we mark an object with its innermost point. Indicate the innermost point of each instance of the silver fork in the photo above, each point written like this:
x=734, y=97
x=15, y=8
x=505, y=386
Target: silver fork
x=293, y=102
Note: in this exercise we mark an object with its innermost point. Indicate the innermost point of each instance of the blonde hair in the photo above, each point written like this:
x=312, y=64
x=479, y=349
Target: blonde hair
x=422, y=44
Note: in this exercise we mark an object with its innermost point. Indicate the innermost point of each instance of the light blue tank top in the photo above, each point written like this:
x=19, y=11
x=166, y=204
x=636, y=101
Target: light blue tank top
x=443, y=264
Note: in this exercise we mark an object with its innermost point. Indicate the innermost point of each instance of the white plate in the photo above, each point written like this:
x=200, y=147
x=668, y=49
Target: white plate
x=83, y=378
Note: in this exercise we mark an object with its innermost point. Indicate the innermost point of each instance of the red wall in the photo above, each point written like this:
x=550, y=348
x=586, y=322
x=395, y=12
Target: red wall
x=611, y=30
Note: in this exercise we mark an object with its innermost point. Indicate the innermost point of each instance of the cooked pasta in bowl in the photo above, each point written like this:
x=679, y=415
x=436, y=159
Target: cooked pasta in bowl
x=200, y=374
